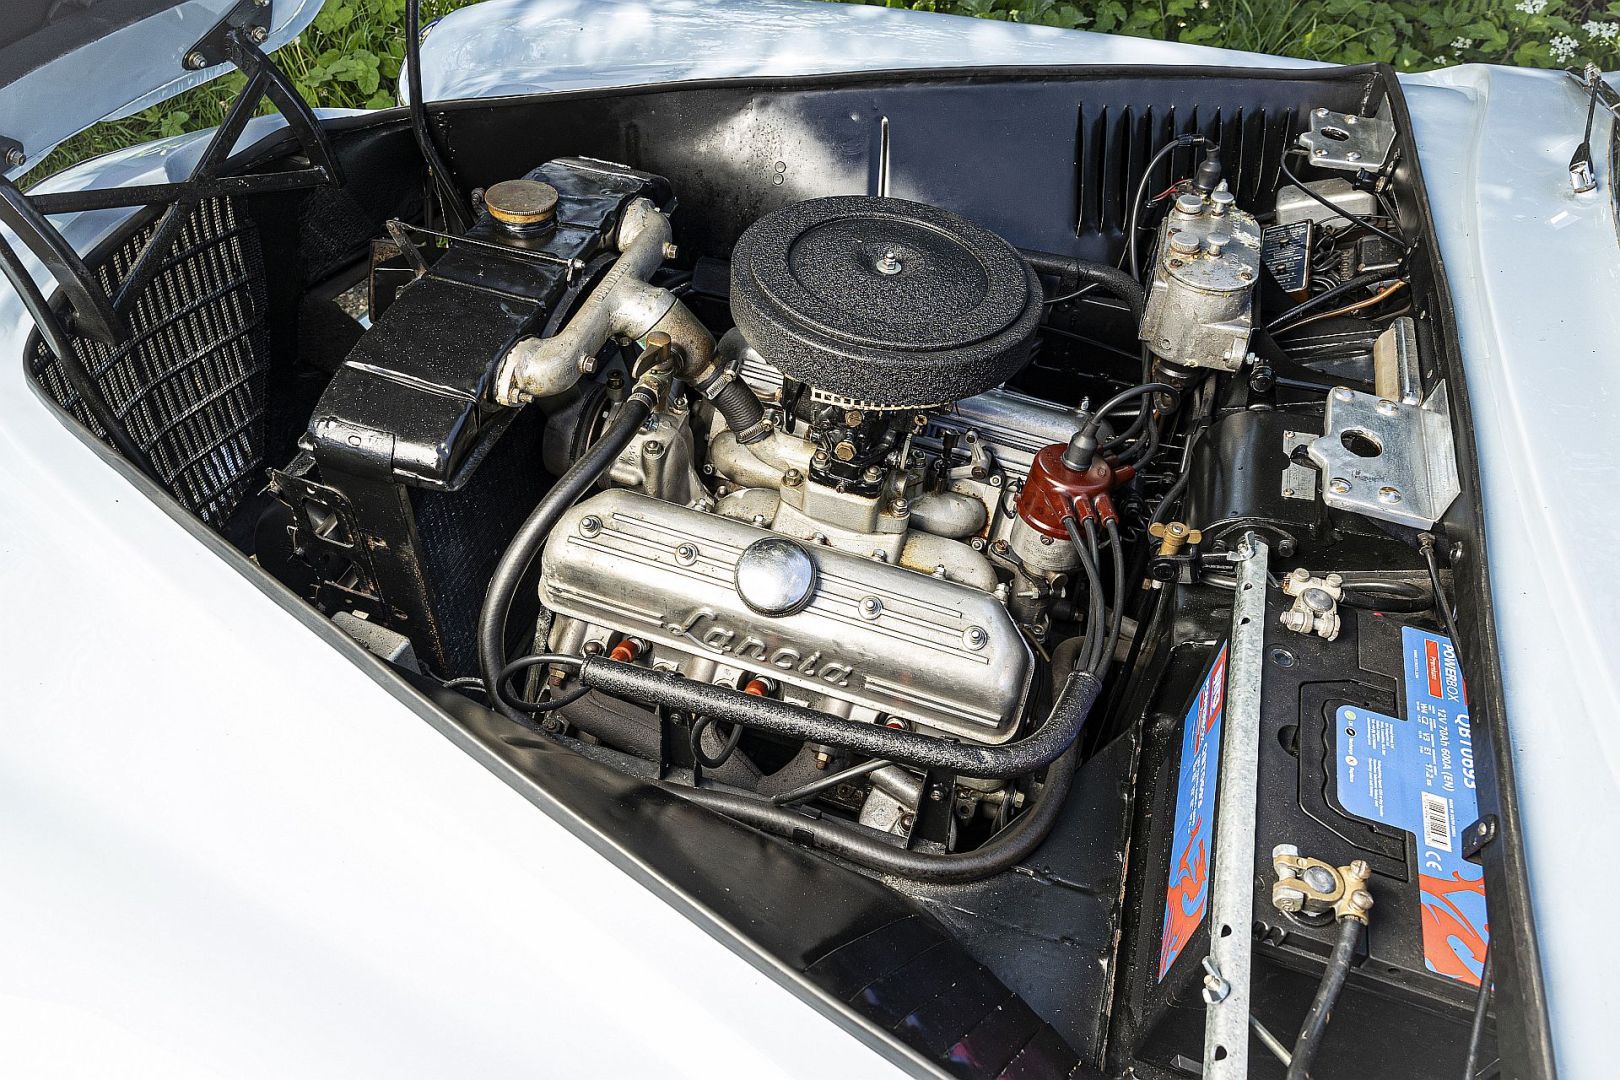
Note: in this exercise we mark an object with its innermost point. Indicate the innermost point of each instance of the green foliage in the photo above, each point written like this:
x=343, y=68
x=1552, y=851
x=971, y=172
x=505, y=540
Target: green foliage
x=351, y=55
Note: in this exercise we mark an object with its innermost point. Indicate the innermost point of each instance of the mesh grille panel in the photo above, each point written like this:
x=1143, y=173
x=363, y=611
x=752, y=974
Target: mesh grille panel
x=190, y=381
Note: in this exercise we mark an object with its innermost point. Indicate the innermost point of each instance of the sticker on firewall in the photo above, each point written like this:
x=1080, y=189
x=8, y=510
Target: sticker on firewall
x=1187, y=893
x=1417, y=774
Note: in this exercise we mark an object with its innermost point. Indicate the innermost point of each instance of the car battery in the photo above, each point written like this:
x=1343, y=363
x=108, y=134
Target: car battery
x=1365, y=753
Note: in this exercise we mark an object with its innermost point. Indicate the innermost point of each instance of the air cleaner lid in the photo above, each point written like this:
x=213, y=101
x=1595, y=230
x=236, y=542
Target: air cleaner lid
x=884, y=301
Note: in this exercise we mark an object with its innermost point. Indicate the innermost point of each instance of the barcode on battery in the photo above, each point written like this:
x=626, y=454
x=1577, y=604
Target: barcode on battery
x=1436, y=821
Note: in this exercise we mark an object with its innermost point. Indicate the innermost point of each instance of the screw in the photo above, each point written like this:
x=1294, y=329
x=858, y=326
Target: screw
x=1319, y=152
x=15, y=156
x=889, y=263
x=1354, y=155
x=686, y=554
x=792, y=478
x=975, y=638
x=196, y=61
x=1389, y=495
x=652, y=448
x=670, y=250
x=258, y=34
x=1339, y=486
x=590, y=525
x=1216, y=988
x=871, y=607
x=900, y=507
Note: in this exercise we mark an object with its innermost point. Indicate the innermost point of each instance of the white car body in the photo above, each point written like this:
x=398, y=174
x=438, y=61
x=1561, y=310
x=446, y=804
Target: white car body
x=198, y=881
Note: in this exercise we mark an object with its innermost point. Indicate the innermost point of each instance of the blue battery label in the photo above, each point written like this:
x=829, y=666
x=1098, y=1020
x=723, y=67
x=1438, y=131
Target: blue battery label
x=1187, y=894
x=1417, y=774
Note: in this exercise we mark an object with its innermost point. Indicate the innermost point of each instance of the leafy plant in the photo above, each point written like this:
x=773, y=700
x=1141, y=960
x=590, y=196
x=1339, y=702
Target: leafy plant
x=351, y=55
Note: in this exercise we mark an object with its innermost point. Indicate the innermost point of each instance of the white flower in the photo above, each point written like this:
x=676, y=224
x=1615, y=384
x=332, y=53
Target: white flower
x=1599, y=31
x=1462, y=43
x=1563, y=47
x=1530, y=7
x=1204, y=4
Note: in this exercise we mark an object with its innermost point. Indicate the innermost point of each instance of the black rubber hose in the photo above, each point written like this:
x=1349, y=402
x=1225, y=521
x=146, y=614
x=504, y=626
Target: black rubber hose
x=728, y=743
x=739, y=406
x=444, y=179
x=1107, y=278
x=531, y=536
x=1001, y=852
x=1327, y=995
x=668, y=690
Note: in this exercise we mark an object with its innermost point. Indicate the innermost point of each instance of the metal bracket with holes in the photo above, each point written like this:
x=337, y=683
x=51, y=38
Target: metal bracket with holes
x=1387, y=459
x=1347, y=141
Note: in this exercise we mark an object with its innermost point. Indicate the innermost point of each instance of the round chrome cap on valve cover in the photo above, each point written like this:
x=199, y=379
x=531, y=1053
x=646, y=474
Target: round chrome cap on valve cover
x=776, y=577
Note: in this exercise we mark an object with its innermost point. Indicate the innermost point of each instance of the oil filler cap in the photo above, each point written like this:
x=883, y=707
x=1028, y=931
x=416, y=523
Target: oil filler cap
x=884, y=302
x=776, y=577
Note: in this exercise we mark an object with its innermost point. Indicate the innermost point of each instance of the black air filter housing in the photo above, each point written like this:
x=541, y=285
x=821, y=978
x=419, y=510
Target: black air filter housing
x=884, y=302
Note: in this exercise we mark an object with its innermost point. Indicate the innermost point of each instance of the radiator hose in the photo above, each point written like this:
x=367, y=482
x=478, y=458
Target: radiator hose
x=1002, y=851
x=668, y=690
x=531, y=535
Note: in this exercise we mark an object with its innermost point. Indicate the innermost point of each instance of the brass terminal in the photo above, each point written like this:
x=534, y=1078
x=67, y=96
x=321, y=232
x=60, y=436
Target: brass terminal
x=1312, y=887
x=1173, y=536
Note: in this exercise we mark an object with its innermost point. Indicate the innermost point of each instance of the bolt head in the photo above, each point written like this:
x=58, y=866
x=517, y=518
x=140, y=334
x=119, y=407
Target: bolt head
x=792, y=478
x=975, y=638
x=196, y=61
x=1339, y=486
x=590, y=525
x=258, y=35
x=1319, y=878
x=15, y=156
x=1389, y=495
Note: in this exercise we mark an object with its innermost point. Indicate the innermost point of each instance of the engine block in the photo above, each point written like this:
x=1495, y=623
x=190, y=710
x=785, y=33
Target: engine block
x=870, y=640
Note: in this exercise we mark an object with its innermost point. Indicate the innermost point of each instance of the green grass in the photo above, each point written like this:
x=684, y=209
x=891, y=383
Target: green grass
x=350, y=57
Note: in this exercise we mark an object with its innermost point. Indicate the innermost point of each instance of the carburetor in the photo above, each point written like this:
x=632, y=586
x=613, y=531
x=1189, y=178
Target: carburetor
x=1200, y=302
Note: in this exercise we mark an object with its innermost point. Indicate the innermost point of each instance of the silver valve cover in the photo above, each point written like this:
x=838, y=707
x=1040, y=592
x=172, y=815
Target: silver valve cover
x=872, y=639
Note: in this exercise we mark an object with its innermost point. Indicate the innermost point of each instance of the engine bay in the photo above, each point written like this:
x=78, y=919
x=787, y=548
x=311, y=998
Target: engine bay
x=1055, y=526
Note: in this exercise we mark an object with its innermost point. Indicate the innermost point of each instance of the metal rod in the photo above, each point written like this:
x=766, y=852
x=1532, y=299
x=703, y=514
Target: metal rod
x=1270, y=1041
x=822, y=783
x=1231, y=941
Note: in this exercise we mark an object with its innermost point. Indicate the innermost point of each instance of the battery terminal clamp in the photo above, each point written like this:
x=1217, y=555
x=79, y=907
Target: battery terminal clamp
x=1316, y=603
x=1307, y=886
